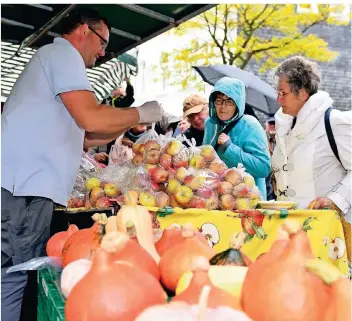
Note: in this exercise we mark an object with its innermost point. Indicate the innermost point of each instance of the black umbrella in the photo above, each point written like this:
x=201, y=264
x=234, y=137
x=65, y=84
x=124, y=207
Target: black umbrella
x=259, y=94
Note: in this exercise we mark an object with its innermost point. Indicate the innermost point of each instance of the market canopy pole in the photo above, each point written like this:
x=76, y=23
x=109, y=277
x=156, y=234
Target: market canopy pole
x=46, y=27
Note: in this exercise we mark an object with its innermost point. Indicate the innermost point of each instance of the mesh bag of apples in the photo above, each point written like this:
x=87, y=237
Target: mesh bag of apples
x=170, y=174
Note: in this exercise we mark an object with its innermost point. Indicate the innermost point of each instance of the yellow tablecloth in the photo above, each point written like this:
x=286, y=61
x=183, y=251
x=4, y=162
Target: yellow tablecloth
x=323, y=228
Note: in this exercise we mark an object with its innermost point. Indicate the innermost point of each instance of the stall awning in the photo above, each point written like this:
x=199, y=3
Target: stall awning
x=26, y=27
x=34, y=25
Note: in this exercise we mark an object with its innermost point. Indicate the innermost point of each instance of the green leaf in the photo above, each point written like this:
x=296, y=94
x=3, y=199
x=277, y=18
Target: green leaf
x=308, y=220
x=306, y=228
x=259, y=232
x=248, y=238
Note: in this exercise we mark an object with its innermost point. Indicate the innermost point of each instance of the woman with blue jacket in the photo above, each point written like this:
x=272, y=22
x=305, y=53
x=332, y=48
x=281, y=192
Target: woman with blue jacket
x=236, y=137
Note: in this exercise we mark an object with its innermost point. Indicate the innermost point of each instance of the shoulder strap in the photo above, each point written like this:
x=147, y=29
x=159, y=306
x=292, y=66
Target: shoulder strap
x=227, y=130
x=330, y=134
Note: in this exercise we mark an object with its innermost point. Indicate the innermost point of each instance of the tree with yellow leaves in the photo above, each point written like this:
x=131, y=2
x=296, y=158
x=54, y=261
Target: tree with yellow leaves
x=235, y=34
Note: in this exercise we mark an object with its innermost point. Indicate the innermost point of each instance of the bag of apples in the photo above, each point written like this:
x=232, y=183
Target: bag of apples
x=237, y=190
x=147, y=148
x=205, y=156
x=190, y=188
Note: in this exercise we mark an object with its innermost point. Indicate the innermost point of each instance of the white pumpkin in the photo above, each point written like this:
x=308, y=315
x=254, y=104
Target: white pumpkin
x=72, y=274
x=181, y=311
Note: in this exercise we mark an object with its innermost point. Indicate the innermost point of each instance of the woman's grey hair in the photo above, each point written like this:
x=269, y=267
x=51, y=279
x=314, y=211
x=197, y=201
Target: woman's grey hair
x=301, y=74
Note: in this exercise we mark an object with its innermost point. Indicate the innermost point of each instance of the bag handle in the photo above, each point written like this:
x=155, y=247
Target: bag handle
x=330, y=134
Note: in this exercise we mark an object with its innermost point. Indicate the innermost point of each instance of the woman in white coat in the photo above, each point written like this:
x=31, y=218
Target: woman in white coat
x=304, y=164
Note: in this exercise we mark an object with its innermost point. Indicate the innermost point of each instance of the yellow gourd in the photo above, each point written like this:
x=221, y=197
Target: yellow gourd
x=138, y=217
x=228, y=278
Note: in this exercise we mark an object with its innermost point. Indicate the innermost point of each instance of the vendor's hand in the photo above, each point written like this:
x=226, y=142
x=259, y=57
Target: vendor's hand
x=223, y=138
x=323, y=203
x=101, y=157
x=150, y=112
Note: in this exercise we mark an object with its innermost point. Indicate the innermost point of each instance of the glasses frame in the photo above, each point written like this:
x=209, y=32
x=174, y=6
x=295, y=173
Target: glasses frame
x=224, y=101
x=103, y=47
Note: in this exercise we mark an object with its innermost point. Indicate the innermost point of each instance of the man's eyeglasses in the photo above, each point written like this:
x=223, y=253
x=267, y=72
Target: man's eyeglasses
x=104, y=42
x=228, y=102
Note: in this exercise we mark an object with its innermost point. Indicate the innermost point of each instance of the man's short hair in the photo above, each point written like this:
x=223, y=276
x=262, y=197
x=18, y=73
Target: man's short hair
x=81, y=16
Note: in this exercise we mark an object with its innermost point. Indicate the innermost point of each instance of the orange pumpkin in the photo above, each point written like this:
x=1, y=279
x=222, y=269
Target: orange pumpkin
x=279, y=287
x=200, y=278
x=112, y=291
x=178, y=260
x=83, y=243
x=129, y=250
x=57, y=241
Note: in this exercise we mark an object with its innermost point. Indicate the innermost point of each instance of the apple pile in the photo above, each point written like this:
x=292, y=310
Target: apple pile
x=99, y=193
x=238, y=191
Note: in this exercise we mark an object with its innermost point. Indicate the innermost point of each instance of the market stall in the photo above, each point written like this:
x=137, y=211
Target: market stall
x=182, y=214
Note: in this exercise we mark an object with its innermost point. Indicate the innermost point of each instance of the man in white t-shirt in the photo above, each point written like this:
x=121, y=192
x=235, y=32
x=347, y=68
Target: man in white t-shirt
x=50, y=116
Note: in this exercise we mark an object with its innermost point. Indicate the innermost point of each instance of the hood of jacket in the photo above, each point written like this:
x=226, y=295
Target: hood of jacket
x=233, y=88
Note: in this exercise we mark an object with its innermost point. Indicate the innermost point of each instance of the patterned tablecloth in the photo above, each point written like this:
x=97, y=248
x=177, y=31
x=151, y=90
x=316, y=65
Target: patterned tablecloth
x=323, y=228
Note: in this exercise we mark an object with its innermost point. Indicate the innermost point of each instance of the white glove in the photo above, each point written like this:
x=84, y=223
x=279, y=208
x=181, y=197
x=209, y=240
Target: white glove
x=150, y=112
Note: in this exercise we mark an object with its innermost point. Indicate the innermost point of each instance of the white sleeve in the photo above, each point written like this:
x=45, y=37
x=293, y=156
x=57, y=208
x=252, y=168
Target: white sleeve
x=341, y=124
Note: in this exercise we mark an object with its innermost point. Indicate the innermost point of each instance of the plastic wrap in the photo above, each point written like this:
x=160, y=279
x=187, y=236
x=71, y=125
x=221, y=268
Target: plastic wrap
x=88, y=168
x=37, y=264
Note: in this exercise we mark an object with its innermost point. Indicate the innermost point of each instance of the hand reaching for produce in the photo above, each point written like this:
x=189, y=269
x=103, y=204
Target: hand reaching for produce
x=223, y=138
x=150, y=112
x=323, y=203
x=101, y=157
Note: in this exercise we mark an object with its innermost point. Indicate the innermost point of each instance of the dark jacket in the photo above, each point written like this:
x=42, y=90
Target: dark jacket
x=122, y=101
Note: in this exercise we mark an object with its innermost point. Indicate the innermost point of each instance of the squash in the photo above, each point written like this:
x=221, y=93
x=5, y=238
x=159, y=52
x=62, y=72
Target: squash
x=178, y=260
x=233, y=255
x=282, y=285
x=112, y=291
x=72, y=274
x=83, y=243
x=138, y=217
x=57, y=241
x=129, y=250
x=181, y=311
x=228, y=278
x=200, y=278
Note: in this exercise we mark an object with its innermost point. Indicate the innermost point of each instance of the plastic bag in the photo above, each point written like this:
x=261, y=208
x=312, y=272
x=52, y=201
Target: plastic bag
x=119, y=153
x=37, y=264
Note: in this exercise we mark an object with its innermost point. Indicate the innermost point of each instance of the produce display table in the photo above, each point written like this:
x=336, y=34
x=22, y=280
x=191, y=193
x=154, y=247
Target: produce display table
x=323, y=228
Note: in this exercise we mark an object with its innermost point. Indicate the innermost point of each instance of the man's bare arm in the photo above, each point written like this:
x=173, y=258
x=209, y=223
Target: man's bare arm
x=98, y=119
x=94, y=139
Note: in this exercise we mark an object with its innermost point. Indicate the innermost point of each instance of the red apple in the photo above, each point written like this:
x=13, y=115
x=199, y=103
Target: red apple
x=204, y=192
x=159, y=175
x=152, y=156
x=103, y=202
x=208, y=153
x=225, y=188
x=137, y=160
x=197, y=202
x=227, y=202
x=193, y=182
x=96, y=193
x=233, y=176
x=218, y=167
x=165, y=161
x=241, y=190
x=151, y=145
x=135, y=148
x=181, y=174
x=141, y=149
x=212, y=203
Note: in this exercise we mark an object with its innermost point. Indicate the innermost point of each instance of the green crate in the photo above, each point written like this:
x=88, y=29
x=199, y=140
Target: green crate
x=51, y=303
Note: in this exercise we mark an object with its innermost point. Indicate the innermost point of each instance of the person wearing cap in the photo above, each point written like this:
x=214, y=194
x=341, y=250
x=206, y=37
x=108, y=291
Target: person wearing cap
x=270, y=133
x=195, y=109
x=237, y=138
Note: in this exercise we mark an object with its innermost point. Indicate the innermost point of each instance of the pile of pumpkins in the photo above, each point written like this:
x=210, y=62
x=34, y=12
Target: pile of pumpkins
x=109, y=275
